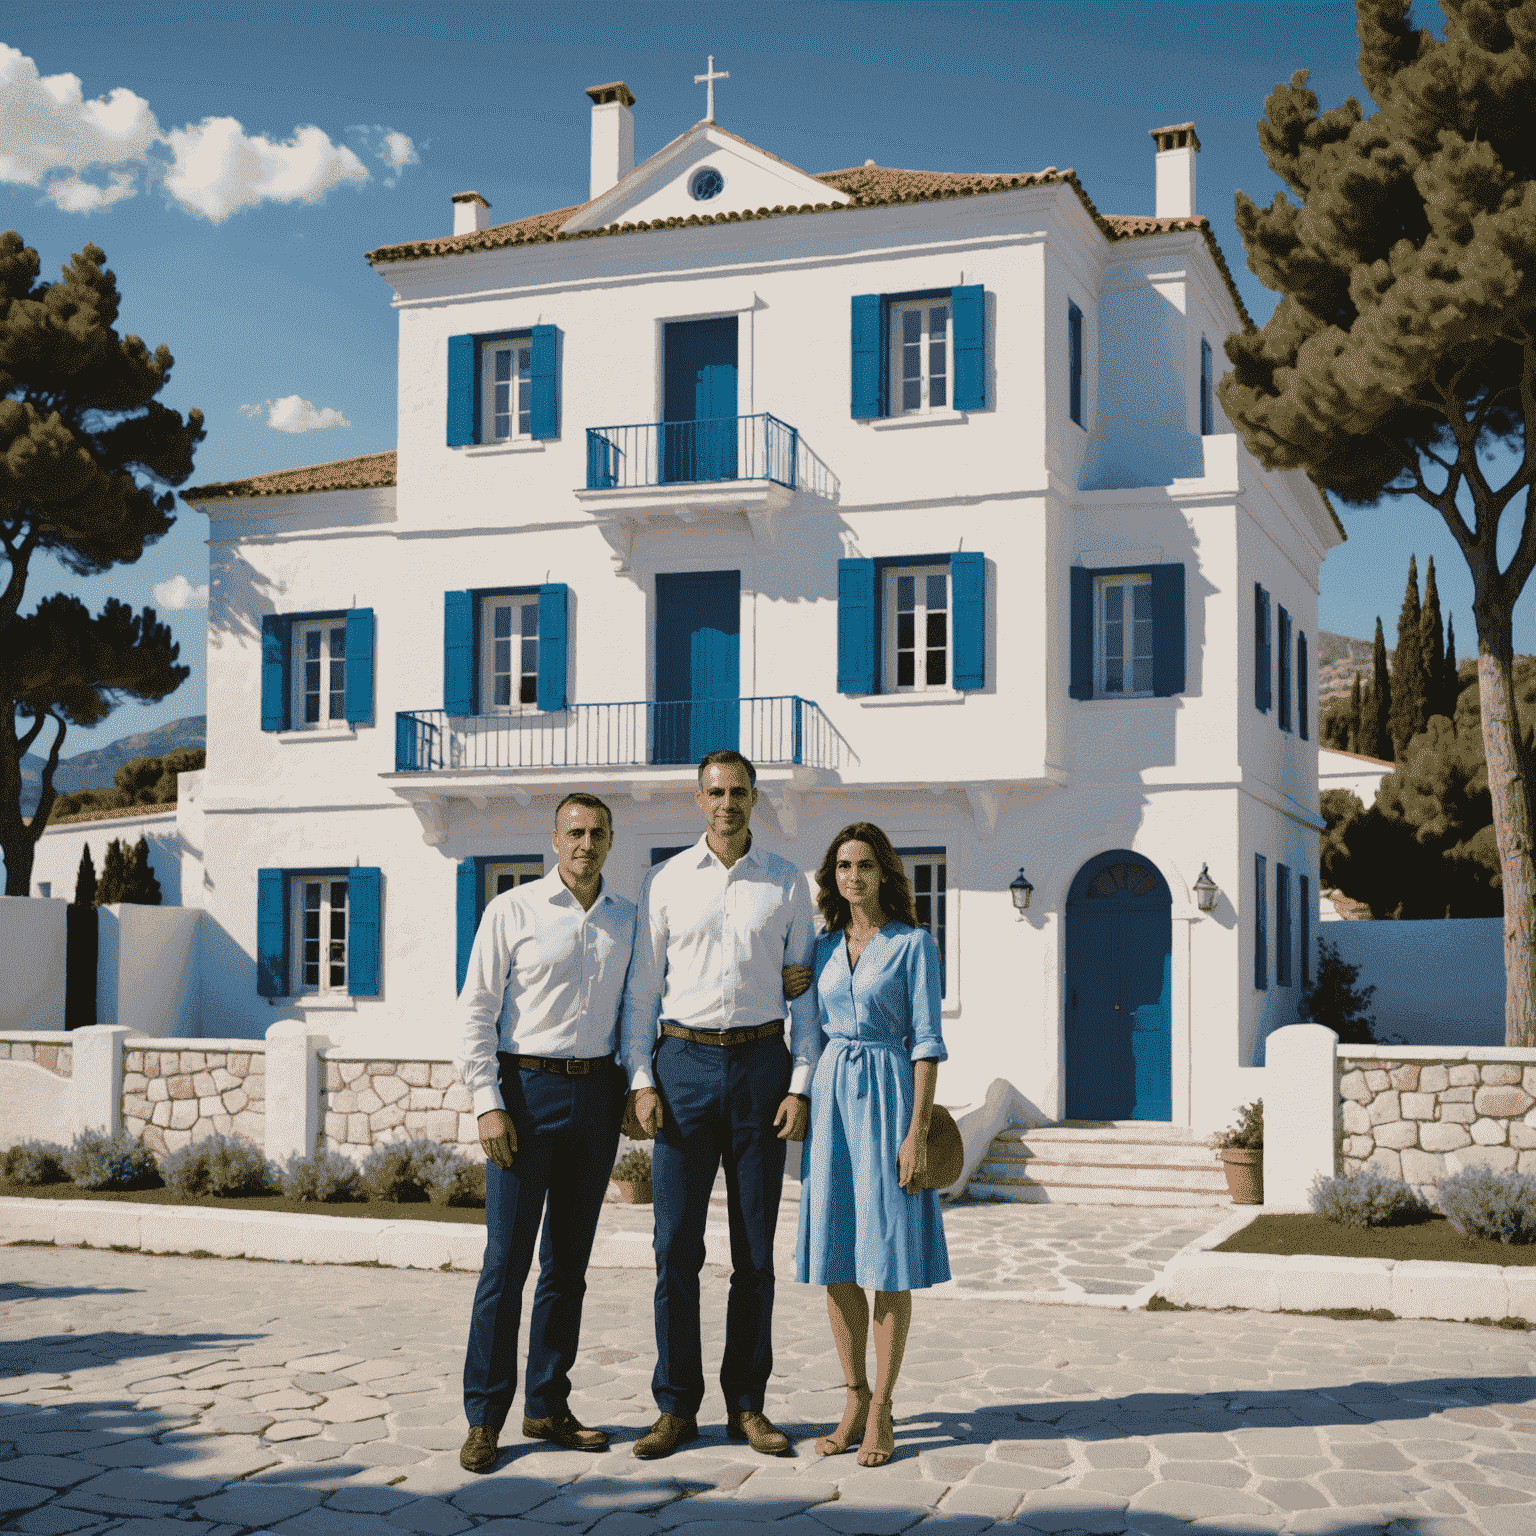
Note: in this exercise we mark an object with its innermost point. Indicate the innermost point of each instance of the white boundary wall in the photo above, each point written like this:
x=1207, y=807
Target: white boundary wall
x=33, y=936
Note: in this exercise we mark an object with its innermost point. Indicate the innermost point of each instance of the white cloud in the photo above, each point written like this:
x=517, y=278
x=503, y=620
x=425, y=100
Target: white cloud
x=49, y=134
x=179, y=593
x=294, y=414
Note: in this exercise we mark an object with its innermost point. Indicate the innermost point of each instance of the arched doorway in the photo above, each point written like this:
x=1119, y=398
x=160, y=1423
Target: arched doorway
x=1119, y=991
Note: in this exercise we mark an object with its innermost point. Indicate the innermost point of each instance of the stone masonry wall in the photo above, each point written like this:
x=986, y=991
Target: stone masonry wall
x=367, y=1102
x=58, y=1059
x=1423, y=1120
x=173, y=1098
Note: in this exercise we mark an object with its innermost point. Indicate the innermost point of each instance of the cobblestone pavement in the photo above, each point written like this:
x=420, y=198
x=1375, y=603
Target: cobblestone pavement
x=181, y=1397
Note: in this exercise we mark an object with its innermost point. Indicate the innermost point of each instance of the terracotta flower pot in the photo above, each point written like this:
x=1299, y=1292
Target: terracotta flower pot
x=1244, y=1168
x=633, y=1191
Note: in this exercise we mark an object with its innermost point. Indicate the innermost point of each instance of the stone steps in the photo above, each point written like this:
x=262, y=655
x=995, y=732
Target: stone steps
x=1126, y=1163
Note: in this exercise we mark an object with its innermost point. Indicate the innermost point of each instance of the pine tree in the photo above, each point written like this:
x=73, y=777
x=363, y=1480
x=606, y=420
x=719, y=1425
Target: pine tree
x=1450, y=684
x=139, y=883
x=1376, y=724
x=85, y=879
x=1408, y=676
x=1432, y=644
x=114, y=870
x=1354, y=716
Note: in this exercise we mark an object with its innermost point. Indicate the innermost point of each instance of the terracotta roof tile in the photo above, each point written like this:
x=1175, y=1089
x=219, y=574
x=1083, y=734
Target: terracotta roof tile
x=869, y=186
x=365, y=473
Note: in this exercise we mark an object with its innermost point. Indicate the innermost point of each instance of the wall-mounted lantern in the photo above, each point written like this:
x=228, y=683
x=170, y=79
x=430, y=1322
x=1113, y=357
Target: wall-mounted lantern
x=1206, y=891
x=1021, y=890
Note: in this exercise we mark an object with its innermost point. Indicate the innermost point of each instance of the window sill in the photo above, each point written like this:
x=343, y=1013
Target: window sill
x=930, y=419
x=512, y=445
x=319, y=733
x=335, y=1003
x=931, y=696
x=1139, y=698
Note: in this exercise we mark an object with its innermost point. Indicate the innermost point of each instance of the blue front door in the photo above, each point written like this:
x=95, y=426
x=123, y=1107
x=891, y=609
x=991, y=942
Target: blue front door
x=698, y=664
x=1119, y=991
x=698, y=431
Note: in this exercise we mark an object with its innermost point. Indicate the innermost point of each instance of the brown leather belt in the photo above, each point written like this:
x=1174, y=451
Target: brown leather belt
x=726, y=1037
x=564, y=1066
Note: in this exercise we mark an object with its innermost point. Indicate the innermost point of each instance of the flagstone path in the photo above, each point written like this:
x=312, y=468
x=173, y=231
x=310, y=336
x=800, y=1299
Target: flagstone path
x=167, y=1396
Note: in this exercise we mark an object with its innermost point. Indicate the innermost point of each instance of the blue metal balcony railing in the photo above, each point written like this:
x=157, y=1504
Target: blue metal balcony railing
x=689, y=452
x=649, y=733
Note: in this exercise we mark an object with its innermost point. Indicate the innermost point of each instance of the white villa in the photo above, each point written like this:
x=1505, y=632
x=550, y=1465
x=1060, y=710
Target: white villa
x=910, y=485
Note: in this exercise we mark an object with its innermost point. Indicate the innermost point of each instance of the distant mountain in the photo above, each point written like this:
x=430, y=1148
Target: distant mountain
x=96, y=770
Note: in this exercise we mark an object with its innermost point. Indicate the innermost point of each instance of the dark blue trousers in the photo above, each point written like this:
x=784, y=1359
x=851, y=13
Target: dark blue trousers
x=718, y=1106
x=567, y=1134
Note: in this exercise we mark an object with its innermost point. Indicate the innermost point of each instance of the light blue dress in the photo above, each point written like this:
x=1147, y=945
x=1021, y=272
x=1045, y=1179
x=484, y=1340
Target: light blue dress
x=857, y=1224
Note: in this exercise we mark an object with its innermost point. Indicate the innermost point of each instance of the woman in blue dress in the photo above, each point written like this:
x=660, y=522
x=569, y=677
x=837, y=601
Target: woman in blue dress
x=864, y=1221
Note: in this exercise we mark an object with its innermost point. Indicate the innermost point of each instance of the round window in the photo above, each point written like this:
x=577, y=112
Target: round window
x=707, y=183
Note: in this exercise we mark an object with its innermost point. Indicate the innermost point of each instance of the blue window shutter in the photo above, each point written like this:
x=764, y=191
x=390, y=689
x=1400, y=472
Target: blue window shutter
x=552, y=646
x=363, y=932
x=1261, y=650
x=1301, y=683
x=1207, y=384
x=271, y=933
x=1304, y=913
x=1284, y=711
x=461, y=392
x=868, y=356
x=544, y=412
x=969, y=306
x=459, y=653
x=359, y=666
x=1168, y=629
x=466, y=915
x=405, y=742
x=1075, y=362
x=855, y=626
x=968, y=604
x=274, y=672
x=1260, y=924
x=1082, y=634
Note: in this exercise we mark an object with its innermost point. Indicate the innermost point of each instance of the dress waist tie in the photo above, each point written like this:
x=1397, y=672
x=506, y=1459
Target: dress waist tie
x=853, y=1050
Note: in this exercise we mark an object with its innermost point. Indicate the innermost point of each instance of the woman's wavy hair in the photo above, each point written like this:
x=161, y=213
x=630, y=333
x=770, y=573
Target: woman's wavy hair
x=895, y=889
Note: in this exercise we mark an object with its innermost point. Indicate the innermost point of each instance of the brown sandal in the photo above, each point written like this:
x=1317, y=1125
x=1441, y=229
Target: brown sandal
x=855, y=1417
x=878, y=1455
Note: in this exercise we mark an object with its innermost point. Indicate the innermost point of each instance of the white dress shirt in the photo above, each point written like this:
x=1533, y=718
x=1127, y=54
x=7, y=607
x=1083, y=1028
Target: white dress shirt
x=545, y=978
x=711, y=945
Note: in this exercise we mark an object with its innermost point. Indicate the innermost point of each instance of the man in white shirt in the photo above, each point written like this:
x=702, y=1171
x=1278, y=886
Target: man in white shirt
x=540, y=1010
x=703, y=1042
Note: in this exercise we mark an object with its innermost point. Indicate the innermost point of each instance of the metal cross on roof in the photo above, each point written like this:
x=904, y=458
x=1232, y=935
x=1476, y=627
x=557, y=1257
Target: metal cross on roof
x=709, y=81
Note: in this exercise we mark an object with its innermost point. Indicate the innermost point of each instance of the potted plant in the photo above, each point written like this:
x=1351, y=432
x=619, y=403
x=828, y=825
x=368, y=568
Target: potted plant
x=1241, y=1149
x=632, y=1177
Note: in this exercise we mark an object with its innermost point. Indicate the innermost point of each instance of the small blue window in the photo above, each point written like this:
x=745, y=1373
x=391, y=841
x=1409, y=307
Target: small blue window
x=707, y=183
x=1207, y=390
x=1282, y=925
x=1260, y=924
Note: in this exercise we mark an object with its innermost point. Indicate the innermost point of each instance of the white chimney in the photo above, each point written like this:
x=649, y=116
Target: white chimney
x=1177, y=147
x=470, y=212
x=613, y=135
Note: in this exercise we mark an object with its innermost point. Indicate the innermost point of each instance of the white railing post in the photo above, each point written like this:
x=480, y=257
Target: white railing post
x=1300, y=1108
x=97, y=1074
x=293, y=1090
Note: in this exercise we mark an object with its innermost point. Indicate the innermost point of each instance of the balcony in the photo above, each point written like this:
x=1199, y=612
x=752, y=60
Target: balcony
x=753, y=466
x=635, y=748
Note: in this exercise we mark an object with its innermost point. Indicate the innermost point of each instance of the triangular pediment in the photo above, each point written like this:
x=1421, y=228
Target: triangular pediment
x=704, y=171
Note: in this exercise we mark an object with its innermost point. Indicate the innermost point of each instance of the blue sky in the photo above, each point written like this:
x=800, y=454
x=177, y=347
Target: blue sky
x=247, y=157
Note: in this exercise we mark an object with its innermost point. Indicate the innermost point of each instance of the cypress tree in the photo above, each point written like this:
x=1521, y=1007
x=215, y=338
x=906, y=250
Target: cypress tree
x=1450, y=684
x=1376, y=724
x=1353, y=744
x=1432, y=645
x=85, y=879
x=114, y=869
x=139, y=883
x=1408, y=681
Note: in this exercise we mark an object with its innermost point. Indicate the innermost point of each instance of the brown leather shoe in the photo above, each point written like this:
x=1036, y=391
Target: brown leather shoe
x=566, y=1431
x=749, y=1425
x=666, y=1434
x=478, y=1453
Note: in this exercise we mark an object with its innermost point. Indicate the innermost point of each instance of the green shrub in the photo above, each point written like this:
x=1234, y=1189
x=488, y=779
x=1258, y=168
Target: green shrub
x=1248, y=1131
x=95, y=1161
x=634, y=1167
x=1369, y=1198
x=327, y=1177
x=1499, y=1206
x=221, y=1165
x=450, y=1178
x=34, y=1162
x=398, y=1170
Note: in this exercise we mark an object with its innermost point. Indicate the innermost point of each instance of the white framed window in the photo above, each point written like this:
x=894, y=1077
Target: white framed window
x=507, y=875
x=927, y=871
x=917, y=628
x=319, y=673
x=506, y=389
x=1123, y=632
x=509, y=653
x=921, y=356
x=319, y=941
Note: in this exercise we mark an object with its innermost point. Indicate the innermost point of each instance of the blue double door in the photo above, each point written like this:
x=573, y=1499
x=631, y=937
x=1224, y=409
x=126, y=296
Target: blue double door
x=698, y=428
x=698, y=665
x=1119, y=991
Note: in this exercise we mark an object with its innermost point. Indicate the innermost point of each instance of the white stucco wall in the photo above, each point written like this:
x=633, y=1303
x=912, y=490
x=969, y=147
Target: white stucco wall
x=33, y=947
x=1360, y=775
x=147, y=969
x=56, y=861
